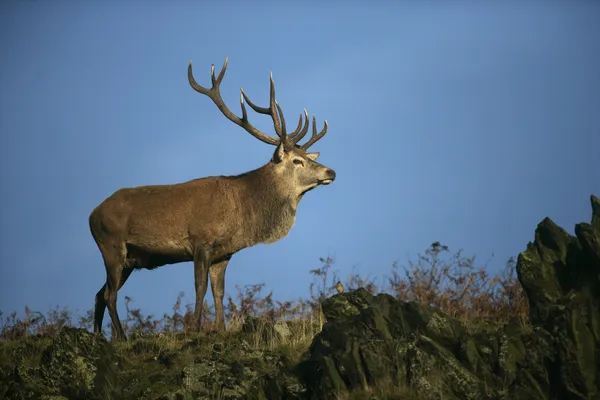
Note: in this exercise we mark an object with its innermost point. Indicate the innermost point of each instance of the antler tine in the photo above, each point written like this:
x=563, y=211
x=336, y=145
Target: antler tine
x=315, y=137
x=195, y=84
x=214, y=95
x=297, y=128
x=221, y=74
x=258, y=109
x=281, y=119
x=273, y=109
x=244, y=114
x=298, y=134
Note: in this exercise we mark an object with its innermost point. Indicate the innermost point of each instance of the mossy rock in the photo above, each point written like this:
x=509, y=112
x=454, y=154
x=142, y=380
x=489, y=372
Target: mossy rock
x=80, y=365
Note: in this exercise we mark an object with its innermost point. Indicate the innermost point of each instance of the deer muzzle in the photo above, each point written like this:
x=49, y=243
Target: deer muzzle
x=330, y=177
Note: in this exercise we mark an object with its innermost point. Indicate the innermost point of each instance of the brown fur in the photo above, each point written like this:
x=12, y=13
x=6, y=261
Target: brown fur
x=162, y=224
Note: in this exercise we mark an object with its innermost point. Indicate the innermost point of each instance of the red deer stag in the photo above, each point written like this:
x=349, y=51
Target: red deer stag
x=206, y=220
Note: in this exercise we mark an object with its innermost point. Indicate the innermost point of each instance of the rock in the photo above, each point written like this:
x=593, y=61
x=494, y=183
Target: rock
x=75, y=365
x=80, y=365
x=380, y=341
x=237, y=370
x=561, y=276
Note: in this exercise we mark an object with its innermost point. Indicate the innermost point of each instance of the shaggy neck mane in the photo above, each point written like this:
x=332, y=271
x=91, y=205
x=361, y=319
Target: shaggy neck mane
x=269, y=208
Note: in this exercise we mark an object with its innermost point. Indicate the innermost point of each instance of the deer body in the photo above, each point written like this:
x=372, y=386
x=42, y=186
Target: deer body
x=163, y=224
x=206, y=220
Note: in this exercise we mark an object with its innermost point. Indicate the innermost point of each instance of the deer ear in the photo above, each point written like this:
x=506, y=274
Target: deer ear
x=312, y=156
x=279, y=153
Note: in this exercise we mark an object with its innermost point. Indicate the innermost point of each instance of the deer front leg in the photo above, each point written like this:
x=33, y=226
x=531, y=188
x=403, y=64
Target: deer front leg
x=201, y=266
x=217, y=283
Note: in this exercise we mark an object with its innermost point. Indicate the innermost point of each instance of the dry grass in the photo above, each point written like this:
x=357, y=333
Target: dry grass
x=452, y=283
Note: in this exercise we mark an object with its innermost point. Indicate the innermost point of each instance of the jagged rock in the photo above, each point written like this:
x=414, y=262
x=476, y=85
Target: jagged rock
x=561, y=276
x=377, y=340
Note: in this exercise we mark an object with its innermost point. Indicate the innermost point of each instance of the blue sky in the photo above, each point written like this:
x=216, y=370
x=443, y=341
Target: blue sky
x=465, y=123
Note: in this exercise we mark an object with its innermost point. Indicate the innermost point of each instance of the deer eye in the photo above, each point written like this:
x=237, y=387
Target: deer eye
x=297, y=161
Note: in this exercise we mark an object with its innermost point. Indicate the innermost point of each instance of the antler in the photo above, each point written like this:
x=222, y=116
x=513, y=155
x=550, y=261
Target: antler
x=315, y=137
x=274, y=110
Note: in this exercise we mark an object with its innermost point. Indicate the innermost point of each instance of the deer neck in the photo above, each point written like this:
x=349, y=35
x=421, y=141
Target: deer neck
x=270, y=208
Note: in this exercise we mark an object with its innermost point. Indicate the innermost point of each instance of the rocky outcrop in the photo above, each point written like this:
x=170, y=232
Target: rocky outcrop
x=372, y=341
x=561, y=276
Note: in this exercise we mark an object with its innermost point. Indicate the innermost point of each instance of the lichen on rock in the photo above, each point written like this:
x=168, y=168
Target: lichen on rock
x=80, y=365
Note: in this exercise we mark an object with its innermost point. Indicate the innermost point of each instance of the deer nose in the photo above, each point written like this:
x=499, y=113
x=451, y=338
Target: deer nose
x=330, y=173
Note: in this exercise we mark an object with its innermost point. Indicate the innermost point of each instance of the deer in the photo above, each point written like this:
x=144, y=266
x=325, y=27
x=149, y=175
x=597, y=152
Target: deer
x=207, y=220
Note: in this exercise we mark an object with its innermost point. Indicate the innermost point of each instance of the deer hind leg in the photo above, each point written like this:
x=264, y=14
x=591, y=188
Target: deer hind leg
x=100, y=304
x=116, y=276
x=217, y=283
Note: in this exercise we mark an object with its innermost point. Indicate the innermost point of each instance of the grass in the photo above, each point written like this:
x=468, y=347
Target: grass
x=282, y=330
